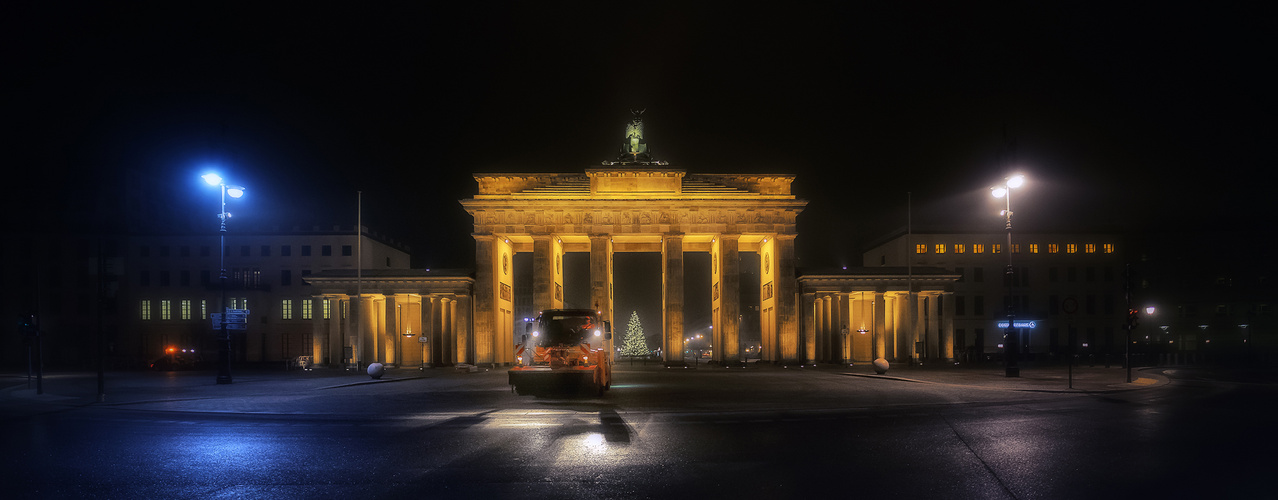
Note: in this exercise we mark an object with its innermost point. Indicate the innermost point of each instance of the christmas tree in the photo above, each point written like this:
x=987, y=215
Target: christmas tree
x=635, y=343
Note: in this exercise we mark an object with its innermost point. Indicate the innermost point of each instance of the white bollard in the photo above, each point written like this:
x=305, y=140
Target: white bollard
x=376, y=370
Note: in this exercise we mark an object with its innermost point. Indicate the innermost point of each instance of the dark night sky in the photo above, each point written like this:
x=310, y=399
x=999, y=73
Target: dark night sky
x=1125, y=119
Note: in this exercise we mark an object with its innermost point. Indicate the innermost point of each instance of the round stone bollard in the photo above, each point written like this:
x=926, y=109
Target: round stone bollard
x=880, y=366
x=376, y=370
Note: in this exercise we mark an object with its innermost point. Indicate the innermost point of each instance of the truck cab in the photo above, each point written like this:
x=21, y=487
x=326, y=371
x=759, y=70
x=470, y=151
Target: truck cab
x=563, y=350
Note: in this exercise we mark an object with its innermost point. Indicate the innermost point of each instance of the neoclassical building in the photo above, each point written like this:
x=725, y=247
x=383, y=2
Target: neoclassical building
x=636, y=204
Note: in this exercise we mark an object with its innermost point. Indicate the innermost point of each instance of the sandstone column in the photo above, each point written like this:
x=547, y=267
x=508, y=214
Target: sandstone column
x=672, y=298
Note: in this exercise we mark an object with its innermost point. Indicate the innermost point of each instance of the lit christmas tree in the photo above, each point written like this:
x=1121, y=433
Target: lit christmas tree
x=636, y=344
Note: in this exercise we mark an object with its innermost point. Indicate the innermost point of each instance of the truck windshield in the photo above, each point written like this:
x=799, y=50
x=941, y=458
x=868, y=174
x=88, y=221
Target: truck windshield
x=567, y=330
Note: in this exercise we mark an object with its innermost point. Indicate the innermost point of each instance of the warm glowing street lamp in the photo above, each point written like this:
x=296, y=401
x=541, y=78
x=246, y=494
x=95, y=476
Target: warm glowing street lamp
x=1011, y=343
x=224, y=342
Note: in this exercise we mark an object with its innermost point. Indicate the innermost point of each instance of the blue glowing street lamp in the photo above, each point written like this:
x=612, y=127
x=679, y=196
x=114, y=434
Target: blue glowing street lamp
x=224, y=341
x=1010, y=342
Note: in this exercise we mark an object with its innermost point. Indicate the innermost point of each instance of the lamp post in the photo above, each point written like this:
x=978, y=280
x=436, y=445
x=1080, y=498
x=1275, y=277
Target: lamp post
x=1010, y=342
x=224, y=341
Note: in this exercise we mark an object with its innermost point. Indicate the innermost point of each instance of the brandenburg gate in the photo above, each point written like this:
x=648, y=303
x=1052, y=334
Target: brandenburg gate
x=637, y=204
x=637, y=208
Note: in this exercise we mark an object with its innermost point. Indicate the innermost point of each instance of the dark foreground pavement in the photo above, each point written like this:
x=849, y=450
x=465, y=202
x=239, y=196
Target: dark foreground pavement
x=764, y=386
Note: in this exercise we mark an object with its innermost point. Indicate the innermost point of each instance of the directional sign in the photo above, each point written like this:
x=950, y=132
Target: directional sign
x=236, y=326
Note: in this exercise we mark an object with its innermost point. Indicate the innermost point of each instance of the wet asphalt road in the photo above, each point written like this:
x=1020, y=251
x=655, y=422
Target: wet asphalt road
x=657, y=434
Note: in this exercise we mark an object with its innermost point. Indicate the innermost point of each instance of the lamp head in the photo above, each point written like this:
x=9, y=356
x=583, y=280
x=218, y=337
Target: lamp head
x=1015, y=181
x=212, y=178
x=235, y=191
x=998, y=191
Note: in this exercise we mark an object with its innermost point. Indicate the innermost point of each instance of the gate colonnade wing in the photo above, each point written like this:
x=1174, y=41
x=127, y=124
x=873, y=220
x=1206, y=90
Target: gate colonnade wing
x=609, y=210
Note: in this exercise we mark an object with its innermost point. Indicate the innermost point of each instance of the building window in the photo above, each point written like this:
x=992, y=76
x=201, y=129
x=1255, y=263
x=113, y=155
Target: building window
x=286, y=277
x=145, y=311
x=978, y=305
x=184, y=250
x=205, y=277
x=204, y=250
x=1033, y=247
x=960, y=305
x=996, y=248
x=286, y=309
x=307, y=308
x=1108, y=248
x=204, y=309
x=327, y=307
x=346, y=250
x=920, y=248
x=940, y=248
x=1071, y=274
x=1053, y=248
x=164, y=278
x=184, y=278
x=326, y=250
x=266, y=250
x=244, y=250
x=144, y=251
x=1053, y=305
x=306, y=250
x=286, y=250
x=1090, y=274
x=1053, y=274
x=1016, y=248
x=1071, y=248
x=186, y=309
x=959, y=248
x=978, y=248
x=164, y=250
x=959, y=271
x=165, y=309
x=978, y=274
x=1089, y=248
x=144, y=278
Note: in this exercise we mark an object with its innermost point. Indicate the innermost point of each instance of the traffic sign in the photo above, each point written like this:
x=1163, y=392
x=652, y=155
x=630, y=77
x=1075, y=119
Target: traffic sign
x=423, y=339
x=236, y=326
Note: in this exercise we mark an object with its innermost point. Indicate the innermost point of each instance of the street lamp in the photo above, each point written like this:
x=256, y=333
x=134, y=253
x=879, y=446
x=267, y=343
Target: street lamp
x=1011, y=343
x=224, y=342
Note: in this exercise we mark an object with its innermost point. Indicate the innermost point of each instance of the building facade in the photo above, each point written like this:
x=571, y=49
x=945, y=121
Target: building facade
x=1068, y=290
x=171, y=286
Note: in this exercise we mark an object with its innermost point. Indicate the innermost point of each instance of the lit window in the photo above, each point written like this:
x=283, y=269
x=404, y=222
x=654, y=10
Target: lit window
x=960, y=248
x=165, y=310
x=1089, y=248
x=978, y=248
x=920, y=248
x=1016, y=248
x=328, y=308
x=186, y=309
x=146, y=310
x=1033, y=247
x=307, y=305
x=204, y=309
x=1108, y=248
x=1071, y=248
x=940, y=248
x=1053, y=248
x=996, y=248
x=286, y=309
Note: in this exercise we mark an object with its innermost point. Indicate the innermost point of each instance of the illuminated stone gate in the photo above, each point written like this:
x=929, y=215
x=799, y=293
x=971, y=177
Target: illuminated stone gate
x=637, y=207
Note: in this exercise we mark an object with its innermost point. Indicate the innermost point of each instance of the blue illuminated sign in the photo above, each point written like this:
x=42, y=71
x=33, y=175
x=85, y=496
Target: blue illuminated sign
x=1020, y=323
